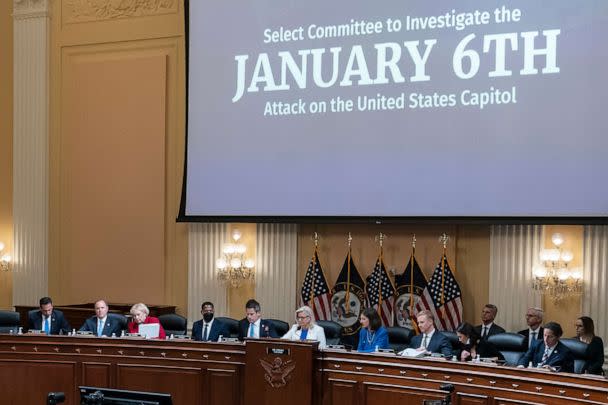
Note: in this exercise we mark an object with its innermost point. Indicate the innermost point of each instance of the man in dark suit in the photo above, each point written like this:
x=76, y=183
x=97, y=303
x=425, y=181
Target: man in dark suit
x=208, y=329
x=488, y=327
x=253, y=326
x=103, y=323
x=430, y=339
x=549, y=352
x=47, y=319
x=534, y=319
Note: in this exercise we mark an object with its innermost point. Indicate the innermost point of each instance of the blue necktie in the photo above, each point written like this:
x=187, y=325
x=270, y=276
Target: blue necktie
x=100, y=328
x=47, y=329
x=251, y=330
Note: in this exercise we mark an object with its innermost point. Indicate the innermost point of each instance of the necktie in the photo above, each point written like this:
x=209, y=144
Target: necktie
x=545, y=356
x=424, y=341
x=205, y=330
x=251, y=330
x=484, y=334
x=47, y=328
x=100, y=328
x=532, y=339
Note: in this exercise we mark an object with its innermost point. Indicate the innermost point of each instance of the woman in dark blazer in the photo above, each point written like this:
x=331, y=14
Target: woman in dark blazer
x=594, y=355
x=372, y=335
x=471, y=345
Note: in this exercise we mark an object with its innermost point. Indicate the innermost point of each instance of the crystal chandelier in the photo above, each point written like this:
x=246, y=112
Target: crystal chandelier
x=233, y=267
x=554, y=278
x=5, y=260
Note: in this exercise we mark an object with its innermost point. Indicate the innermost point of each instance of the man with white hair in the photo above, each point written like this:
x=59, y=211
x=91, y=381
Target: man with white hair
x=534, y=319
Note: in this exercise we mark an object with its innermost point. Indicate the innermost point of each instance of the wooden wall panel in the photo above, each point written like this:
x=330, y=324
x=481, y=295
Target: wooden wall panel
x=182, y=383
x=48, y=376
x=221, y=387
x=471, y=399
x=96, y=374
x=342, y=392
x=378, y=394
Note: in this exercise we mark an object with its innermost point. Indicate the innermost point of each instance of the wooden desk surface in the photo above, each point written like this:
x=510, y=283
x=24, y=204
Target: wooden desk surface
x=214, y=374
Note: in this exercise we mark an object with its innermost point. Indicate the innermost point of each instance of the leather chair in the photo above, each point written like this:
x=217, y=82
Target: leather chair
x=174, y=324
x=333, y=331
x=578, y=349
x=281, y=327
x=510, y=345
x=232, y=325
x=399, y=338
x=453, y=338
x=123, y=321
x=9, y=320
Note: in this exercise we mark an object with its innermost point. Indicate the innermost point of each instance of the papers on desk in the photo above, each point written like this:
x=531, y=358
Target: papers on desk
x=412, y=353
x=149, y=330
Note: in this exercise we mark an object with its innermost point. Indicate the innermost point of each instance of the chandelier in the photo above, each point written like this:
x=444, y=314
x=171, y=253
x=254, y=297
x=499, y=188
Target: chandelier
x=553, y=277
x=5, y=260
x=233, y=267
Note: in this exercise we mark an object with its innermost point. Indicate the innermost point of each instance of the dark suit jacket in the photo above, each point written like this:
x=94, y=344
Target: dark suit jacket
x=218, y=328
x=561, y=357
x=438, y=344
x=266, y=329
x=594, y=357
x=526, y=333
x=494, y=330
x=112, y=325
x=58, y=322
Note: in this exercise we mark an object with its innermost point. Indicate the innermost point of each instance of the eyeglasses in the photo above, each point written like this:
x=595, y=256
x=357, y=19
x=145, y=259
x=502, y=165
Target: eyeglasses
x=302, y=317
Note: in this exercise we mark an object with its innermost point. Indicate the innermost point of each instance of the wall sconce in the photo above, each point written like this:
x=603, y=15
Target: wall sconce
x=233, y=267
x=5, y=259
x=553, y=277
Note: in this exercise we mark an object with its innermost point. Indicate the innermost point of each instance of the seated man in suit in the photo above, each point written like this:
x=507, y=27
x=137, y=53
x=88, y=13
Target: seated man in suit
x=430, y=339
x=253, y=326
x=103, y=323
x=534, y=319
x=47, y=319
x=208, y=329
x=488, y=327
x=549, y=352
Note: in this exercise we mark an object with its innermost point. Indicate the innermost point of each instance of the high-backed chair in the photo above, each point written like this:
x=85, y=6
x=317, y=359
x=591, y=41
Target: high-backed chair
x=174, y=324
x=9, y=320
x=510, y=345
x=123, y=321
x=578, y=349
x=453, y=338
x=232, y=324
x=399, y=338
x=281, y=327
x=333, y=331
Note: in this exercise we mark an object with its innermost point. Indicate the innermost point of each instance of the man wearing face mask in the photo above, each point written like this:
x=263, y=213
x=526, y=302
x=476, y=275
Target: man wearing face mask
x=208, y=329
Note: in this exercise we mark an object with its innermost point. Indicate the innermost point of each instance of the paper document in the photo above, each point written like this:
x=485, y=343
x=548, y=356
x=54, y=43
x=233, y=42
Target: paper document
x=412, y=353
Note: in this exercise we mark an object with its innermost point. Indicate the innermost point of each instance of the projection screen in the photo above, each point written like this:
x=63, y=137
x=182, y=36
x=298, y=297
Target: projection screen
x=396, y=109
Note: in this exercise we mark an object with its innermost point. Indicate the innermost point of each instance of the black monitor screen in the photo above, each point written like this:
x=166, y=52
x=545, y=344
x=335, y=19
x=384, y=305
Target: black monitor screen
x=96, y=395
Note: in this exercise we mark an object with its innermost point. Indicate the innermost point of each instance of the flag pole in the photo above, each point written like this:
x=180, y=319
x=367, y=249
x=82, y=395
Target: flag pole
x=347, y=295
x=444, y=240
x=381, y=239
x=412, y=275
x=314, y=264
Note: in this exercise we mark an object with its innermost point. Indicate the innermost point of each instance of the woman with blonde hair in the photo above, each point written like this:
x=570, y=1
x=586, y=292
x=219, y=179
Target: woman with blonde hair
x=306, y=328
x=140, y=314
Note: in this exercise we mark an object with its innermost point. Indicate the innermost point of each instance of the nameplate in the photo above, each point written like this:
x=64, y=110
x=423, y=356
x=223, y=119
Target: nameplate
x=279, y=351
x=35, y=331
x=84, y=333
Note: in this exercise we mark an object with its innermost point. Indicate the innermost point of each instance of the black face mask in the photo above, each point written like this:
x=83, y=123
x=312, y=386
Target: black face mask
x=208, y=316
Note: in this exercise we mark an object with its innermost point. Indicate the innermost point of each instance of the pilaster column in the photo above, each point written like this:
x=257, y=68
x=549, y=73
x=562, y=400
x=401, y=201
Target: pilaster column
x=31, y=27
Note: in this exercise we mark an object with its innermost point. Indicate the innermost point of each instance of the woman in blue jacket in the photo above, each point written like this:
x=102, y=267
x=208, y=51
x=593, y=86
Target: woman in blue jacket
x=372, y=335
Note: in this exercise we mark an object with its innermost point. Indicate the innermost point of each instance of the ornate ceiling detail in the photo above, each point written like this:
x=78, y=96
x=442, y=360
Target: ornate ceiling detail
x=75, y=11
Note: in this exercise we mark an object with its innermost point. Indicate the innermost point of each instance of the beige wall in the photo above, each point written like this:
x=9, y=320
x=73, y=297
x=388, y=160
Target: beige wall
x=6, y=145
x=116, y=154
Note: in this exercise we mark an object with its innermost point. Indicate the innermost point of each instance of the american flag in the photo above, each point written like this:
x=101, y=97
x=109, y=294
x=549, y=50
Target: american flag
x=379, y=281
x=446, y=307
x=322, y=296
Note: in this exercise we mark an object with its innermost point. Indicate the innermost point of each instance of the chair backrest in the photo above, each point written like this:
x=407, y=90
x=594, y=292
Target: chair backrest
x=333, y=331
x=122, y=320
x=510, y=345
x=453, y=338
x=231, y=324
x=174, y=324
x=281, y=327
x=578, y=350
x=9, y=320
x=399, y=338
